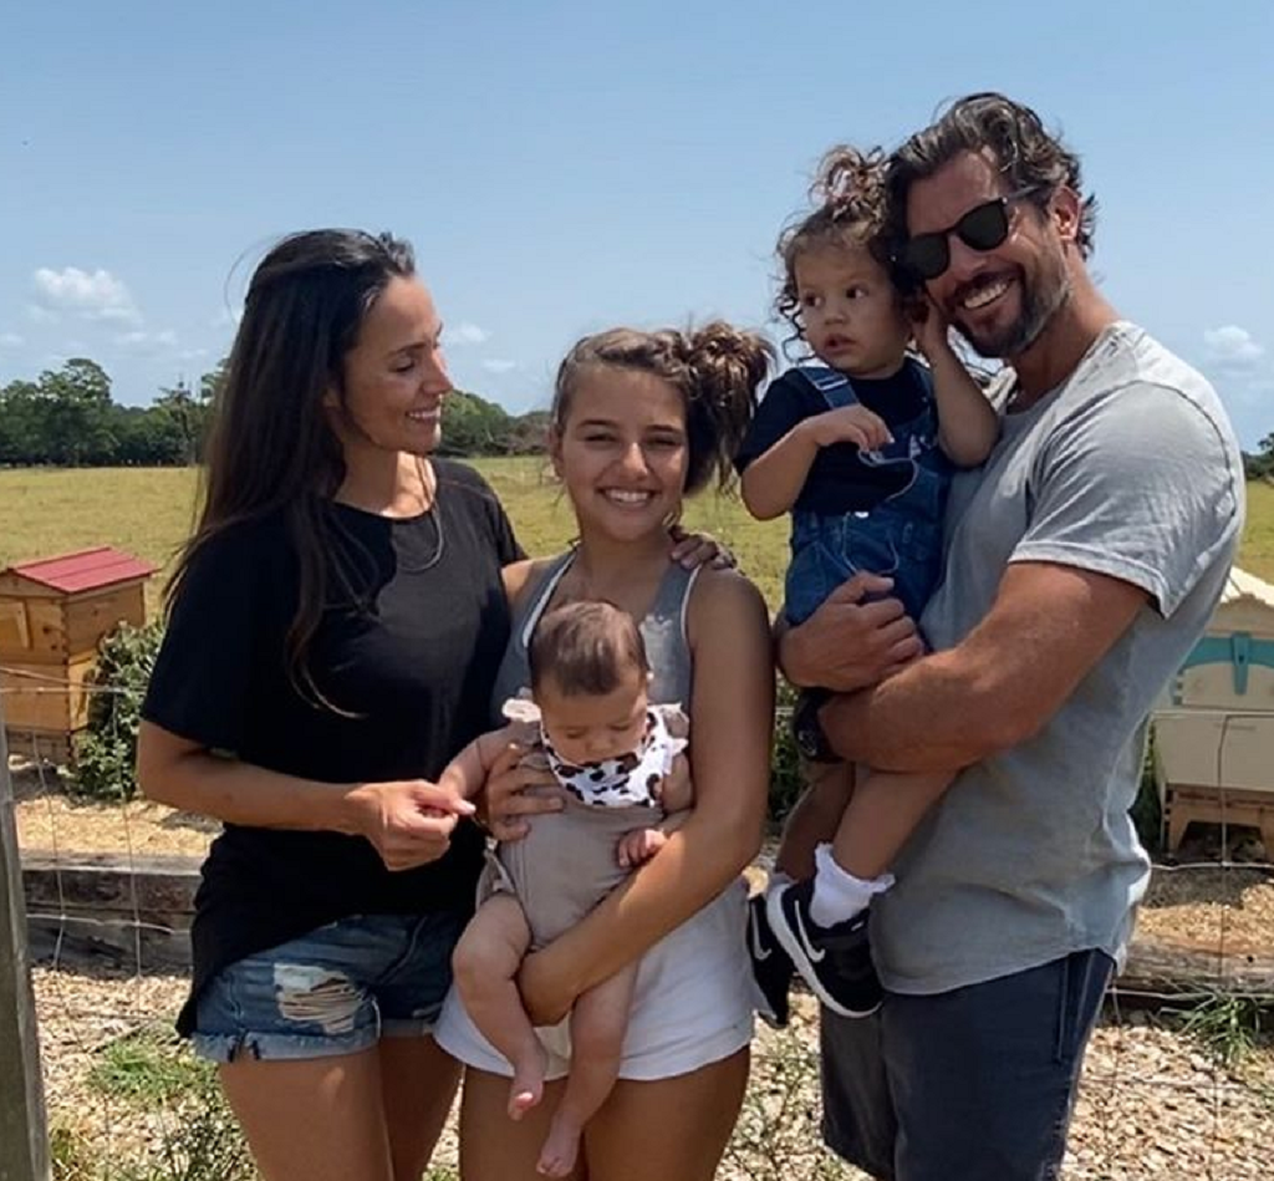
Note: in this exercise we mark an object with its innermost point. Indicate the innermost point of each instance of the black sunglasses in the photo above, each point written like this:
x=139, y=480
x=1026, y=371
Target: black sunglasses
x=984, y=227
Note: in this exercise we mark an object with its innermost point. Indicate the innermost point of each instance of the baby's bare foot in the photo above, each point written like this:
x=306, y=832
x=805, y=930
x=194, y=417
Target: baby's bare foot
x=557, y=1157
x=527, y=1087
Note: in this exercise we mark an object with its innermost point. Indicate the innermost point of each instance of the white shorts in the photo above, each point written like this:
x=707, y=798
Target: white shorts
x=692, y=1003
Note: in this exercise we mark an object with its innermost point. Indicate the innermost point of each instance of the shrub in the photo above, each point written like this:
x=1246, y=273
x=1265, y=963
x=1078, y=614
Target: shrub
x=105, y=755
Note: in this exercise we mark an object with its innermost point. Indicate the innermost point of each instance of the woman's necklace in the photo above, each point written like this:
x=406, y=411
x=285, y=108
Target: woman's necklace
x=429, y=482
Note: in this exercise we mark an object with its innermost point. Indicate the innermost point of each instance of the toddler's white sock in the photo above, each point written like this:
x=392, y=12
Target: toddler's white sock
x=838, y=895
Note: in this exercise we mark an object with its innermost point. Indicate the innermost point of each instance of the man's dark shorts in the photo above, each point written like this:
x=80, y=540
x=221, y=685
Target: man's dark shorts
x=976, y=1084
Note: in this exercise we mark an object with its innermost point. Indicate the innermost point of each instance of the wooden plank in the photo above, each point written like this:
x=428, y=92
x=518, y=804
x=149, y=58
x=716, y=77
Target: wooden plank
x=45, y=658
x=92, y=910
x=40, y=745
x=1158, y=964
x=50, y=698
x=47, y=639
x=89, y=617
x=24, y=1141
x=151, y=886
x=15, y=630
x=15, y=586
x=80, y=942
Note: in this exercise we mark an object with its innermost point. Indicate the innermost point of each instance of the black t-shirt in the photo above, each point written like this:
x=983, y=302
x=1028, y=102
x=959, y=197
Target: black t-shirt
x=838, y=481
x=405, y=658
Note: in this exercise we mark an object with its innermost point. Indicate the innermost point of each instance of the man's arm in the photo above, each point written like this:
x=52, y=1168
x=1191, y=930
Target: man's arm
x=1049, y=627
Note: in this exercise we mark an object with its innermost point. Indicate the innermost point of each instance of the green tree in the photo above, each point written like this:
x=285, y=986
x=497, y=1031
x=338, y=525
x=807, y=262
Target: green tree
x=473, y=426
x=185, y=413
x=20, y=434
x=211, y=383
x=1261, y=465
x=73, y=413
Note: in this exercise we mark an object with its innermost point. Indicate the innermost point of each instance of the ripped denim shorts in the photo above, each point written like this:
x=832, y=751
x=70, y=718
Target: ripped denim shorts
x=335, y=990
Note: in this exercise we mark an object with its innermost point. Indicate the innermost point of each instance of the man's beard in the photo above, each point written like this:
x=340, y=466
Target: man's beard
x=1041, y=301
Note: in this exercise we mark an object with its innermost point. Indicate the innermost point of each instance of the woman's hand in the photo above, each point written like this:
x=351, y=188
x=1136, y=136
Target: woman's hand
x=514, y=792
x=692, y=550
x=408, y=821
x=855, y=639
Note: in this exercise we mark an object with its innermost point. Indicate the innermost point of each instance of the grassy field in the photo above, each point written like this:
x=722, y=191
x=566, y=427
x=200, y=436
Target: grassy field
x=149, y=511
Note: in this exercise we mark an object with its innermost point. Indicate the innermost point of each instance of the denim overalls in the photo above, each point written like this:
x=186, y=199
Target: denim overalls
x=900, y=537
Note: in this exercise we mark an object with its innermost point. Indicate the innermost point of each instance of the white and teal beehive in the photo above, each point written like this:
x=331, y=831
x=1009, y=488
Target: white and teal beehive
x=1214, y=734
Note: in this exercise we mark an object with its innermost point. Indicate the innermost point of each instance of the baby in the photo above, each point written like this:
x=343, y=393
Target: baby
x=621, y=762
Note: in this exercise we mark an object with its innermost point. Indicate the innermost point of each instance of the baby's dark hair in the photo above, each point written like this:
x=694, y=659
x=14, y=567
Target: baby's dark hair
x=585, y=648
x=852, y=213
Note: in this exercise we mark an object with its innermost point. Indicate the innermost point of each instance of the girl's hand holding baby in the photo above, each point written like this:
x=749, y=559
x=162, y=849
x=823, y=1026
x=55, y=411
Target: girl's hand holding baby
x=514, y=792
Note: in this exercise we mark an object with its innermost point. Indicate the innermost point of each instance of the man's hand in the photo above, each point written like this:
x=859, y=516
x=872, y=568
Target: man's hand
x=855, y=639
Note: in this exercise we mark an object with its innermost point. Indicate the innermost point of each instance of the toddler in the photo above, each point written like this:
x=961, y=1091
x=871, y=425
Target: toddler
x=860, y=450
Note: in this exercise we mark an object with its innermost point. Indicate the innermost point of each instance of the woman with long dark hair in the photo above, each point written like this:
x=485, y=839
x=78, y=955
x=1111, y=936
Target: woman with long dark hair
x=335, y=626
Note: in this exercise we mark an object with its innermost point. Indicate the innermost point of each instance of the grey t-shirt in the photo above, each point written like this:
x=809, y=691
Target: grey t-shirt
x=1130, y=468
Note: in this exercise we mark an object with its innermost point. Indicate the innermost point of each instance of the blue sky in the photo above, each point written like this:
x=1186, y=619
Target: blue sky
x=564, y=166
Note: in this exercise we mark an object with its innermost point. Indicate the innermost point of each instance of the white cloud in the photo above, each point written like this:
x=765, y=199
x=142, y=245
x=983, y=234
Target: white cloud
x=498, y=366
x=125, y=315
x=1233, y=346
x=144, y=341
x=10, y=340
x=465, y=333
x=96, y=296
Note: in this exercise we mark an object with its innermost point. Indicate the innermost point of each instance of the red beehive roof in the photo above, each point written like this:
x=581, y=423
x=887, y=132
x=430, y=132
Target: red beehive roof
x=85, y=570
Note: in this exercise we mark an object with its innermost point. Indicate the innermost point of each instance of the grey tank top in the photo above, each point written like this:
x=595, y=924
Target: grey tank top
x=566, y=864
x=663, y=630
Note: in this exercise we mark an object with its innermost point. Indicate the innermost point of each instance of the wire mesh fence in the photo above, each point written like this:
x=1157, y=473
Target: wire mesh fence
x=1178, y=1083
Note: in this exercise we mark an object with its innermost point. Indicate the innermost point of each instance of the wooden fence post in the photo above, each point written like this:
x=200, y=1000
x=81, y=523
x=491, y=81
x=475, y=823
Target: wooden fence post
x=24, y=1141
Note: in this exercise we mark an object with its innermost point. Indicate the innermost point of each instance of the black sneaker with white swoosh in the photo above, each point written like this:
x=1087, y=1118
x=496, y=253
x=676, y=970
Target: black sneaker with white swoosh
x=834, y=961
x=772, y=967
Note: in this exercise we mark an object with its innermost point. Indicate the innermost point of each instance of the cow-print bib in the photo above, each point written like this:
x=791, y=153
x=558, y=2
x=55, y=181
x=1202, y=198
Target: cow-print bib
x=632, y=778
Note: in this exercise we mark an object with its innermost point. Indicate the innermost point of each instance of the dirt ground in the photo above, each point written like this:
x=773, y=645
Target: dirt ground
x=1153, y=1103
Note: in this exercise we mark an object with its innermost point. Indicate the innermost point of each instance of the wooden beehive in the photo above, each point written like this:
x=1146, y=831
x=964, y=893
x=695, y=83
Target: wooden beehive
x=53, y=613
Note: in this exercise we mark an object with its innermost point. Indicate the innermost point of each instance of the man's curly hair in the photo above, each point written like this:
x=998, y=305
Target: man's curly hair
x=1027, y=155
